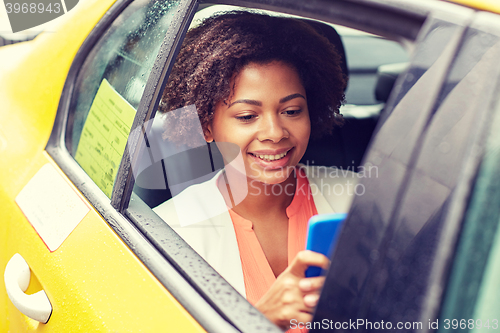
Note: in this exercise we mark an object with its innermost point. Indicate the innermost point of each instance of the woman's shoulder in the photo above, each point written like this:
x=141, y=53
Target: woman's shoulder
x=195, y=204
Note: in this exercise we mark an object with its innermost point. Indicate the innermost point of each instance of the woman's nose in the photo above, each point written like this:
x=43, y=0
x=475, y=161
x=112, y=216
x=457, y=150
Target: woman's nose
x=272, y=129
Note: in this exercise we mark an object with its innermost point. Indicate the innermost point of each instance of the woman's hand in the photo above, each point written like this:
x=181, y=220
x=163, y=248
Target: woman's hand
x=293, y=296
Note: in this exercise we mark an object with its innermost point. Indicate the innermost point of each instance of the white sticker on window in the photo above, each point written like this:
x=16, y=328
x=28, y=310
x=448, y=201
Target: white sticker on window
x=104, y=136
x=51, y=206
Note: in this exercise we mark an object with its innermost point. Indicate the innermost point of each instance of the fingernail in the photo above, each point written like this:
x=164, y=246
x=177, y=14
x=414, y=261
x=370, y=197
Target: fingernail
x=311, y=300
x=305, y=285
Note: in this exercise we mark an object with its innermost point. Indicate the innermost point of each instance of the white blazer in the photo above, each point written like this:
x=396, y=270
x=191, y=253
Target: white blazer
x=200, y=216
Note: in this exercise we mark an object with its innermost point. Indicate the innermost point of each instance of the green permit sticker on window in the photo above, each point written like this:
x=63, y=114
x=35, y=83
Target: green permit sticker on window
x=104, y=136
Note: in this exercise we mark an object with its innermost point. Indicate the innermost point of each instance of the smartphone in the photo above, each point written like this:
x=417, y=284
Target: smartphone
x=322, y=234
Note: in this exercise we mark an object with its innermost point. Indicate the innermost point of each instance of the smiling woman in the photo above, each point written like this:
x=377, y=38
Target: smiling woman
x=261, y=86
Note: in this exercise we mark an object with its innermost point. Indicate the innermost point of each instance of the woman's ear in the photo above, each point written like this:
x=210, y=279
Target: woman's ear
x=208, y=134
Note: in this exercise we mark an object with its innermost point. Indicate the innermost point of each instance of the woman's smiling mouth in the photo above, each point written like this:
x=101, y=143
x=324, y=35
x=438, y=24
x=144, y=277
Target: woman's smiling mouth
x=272, y=161
x=268, y=157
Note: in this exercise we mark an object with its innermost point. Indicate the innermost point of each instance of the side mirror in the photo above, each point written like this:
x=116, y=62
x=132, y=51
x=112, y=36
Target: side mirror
x=386, y=77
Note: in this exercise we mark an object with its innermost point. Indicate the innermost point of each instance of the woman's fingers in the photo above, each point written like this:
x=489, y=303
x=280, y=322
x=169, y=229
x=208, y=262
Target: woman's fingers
x=305, y=259
x=292, y=296
x=302, y=317
x=311, y=284
x=311, y=287
x=311, y=300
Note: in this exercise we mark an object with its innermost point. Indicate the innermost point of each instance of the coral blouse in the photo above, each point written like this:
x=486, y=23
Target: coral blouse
x=257, y=272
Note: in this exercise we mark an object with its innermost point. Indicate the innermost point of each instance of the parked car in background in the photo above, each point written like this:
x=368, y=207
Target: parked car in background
x=7, y=41
x=82, y=251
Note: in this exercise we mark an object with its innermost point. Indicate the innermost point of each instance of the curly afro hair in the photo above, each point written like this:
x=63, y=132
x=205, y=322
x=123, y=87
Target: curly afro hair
x=218, y=49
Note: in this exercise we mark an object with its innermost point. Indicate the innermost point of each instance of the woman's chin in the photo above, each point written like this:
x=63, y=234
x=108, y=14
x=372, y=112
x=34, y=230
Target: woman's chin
x=270, y=181
x=262, y=176
x=282, y=177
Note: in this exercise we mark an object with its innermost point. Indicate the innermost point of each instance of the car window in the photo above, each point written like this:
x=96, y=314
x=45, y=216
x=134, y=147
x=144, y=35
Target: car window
x=457, y=119
x=471, y=301
x=365, y=54
x=110, y=85
x=388, y=227
x=167, y=168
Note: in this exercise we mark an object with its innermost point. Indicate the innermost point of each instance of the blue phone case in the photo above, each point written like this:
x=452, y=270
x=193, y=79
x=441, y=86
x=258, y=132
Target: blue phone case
x=322, y=234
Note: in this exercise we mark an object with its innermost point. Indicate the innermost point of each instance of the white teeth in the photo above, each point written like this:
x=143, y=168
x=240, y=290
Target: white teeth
x=272, y=157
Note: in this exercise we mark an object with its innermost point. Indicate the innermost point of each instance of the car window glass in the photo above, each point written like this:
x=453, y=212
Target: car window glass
x=365, y=54
x=473, y=286
x=488, y=304
x=461, y=106
x=369, y=224
x=109, y=87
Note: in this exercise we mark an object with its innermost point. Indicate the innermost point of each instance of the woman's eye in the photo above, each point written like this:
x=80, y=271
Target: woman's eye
x=246, y=118
x=292, y=112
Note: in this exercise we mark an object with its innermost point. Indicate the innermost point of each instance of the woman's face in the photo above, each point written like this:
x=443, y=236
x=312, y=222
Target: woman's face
x=267, y=117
